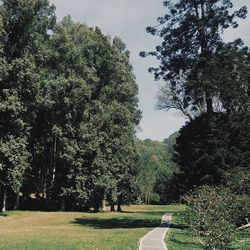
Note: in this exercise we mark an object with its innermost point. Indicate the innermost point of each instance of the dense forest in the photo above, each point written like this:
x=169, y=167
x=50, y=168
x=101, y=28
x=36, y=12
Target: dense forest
x=68, y=112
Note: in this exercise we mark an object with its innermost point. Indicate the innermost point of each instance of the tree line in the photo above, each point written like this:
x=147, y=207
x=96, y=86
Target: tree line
x=155, y=170
x=68, y=112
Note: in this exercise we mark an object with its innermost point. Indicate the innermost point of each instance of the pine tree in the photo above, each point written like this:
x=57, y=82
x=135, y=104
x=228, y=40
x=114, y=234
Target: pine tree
x=191, y=33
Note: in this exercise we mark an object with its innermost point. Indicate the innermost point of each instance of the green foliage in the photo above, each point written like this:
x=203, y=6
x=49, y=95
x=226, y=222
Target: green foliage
x=238, y=180
x=190, y=53
x=181, y=237
x=69, y=108
x=171, y=142
x=155, y=169
x=13, y=142
x=209, y=147
x=214, y=213
x=24, y=26
x=155, y=198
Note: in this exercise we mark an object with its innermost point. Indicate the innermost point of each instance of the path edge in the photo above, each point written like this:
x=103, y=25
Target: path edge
x=164, y=235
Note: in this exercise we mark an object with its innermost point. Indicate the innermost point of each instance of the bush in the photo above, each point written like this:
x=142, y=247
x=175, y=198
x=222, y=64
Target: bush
x=154, y=199
x=214, y=213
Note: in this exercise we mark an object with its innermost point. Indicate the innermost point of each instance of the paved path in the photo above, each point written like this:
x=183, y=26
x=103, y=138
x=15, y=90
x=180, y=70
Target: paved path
x=154, y=240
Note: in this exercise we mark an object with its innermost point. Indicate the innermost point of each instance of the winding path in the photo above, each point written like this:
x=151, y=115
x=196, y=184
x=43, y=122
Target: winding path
x=154, y=240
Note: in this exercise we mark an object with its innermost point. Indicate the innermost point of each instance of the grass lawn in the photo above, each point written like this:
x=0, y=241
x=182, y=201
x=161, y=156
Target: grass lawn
x=21, y=230
x=243, y=240
x=25, y=230
x=180, y=237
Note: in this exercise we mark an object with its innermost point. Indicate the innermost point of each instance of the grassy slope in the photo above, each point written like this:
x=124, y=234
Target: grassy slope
x=74, y=230
x=181, y=238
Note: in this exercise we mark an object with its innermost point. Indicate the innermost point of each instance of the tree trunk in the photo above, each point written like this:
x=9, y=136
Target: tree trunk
x=104, y=206
x=209, y=102
x=17, y=200
x=63, y=204
x=54, y=160
x=146, y=200
x=112, y=208
x=4, y=200
x=244, y=227
x=119, y=208
x=1, y=200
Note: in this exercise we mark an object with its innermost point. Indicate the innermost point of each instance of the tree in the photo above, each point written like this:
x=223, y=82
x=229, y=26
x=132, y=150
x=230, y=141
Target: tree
x=13, y=146
x=89, y=106
x=191, y=33
x=210, y=147
x=24, y=26
x=69, y=107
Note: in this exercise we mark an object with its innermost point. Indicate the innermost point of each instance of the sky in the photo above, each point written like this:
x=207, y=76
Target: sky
x=128, y=20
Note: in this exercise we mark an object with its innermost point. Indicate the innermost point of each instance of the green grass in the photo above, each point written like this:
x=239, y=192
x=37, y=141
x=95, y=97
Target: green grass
x=243, y=240
x=180, y=236
x=21, y=230
x=25, y=230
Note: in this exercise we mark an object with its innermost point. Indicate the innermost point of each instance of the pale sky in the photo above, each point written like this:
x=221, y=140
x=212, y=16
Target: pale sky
x=128, y=20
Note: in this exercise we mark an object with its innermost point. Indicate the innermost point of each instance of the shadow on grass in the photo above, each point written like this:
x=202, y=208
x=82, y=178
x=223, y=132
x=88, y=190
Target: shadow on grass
x=126, y=222
x=177, y=237
x=157, y=213
x=187, y=245
x=3, y=215
x=116, y=223
x=178, y=226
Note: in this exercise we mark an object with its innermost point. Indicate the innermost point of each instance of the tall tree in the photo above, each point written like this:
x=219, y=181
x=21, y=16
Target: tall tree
x=89, y=109
x=13, y=146
x=69, y=106
x=191, y=32
x=24, y=26
x=209, y=148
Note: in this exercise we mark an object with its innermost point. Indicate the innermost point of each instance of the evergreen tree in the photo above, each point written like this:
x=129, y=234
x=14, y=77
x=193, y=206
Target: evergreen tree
x=191, y=33
x=208, y=81
x=211, y=147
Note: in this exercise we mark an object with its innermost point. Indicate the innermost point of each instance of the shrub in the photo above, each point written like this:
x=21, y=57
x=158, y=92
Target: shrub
x=155, y=199
x=214, y=213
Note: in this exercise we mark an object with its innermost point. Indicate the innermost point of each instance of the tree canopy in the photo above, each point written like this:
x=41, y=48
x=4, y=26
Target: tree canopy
x=69, y=109
x=190, y=52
